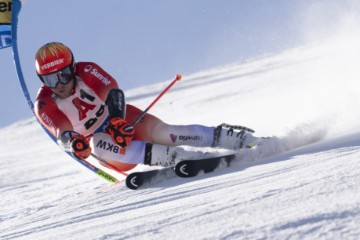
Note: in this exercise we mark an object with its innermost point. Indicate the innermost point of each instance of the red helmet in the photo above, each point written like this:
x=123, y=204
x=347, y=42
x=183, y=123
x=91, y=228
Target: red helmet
x=53, y=57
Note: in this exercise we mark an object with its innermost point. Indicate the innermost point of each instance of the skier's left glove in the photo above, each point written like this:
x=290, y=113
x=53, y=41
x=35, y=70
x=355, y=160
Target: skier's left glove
x=75, y=143
x=80, y=147
x=120, y=131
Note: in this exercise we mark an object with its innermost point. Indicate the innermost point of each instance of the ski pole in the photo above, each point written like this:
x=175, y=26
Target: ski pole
x=177, y=78
x=106, y=164
x=101, y=173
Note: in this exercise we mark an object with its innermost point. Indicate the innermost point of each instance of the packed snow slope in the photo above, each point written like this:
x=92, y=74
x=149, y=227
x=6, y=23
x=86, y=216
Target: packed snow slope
x=307, y=188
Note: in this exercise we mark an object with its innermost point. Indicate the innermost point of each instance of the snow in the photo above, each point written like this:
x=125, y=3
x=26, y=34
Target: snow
x=304, y=186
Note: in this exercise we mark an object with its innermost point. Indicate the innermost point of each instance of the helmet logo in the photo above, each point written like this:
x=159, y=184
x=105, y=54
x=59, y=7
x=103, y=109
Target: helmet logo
x=52, y=64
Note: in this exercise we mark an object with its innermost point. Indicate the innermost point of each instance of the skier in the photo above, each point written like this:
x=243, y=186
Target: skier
x=83, y=107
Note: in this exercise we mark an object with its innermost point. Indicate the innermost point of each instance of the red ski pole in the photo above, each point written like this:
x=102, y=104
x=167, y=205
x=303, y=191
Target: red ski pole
x=177, y=78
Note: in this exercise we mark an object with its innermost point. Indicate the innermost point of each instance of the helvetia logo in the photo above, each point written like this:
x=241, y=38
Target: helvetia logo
x=174, y=138
x=5, y=10
x=5, y=6
x=191, y=138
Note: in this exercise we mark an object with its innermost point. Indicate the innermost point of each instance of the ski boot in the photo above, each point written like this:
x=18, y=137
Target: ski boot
x=166, y=156
x=233, y=137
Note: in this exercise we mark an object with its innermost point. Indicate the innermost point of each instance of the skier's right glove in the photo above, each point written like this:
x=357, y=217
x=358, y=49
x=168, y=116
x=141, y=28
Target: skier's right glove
x=80, y=147
x=120, y=131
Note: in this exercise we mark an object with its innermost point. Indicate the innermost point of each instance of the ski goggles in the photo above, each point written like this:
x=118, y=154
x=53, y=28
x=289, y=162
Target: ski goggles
x=64, y=76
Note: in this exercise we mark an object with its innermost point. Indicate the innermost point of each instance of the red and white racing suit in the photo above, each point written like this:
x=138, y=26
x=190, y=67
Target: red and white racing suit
x=85, y=112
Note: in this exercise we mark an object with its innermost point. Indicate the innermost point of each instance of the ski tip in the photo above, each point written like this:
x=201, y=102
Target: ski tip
x=133, y=181
x=178, y=77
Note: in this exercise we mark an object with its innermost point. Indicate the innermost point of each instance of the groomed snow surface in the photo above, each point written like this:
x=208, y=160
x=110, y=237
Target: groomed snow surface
x=306, y=186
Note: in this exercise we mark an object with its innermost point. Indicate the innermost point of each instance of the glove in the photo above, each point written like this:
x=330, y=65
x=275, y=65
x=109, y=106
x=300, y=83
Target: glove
x=120, y=131
x=80, y=147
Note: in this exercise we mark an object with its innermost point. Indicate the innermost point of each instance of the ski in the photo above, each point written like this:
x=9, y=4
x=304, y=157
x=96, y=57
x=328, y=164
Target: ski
x=191, y=168
x=184, y=169
x=143, y=179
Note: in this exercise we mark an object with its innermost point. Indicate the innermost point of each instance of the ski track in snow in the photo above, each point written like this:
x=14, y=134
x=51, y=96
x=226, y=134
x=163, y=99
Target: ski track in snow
x=301, y=184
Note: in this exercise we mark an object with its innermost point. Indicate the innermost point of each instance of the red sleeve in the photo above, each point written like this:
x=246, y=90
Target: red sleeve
x=96, y=78
x=49, y=115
